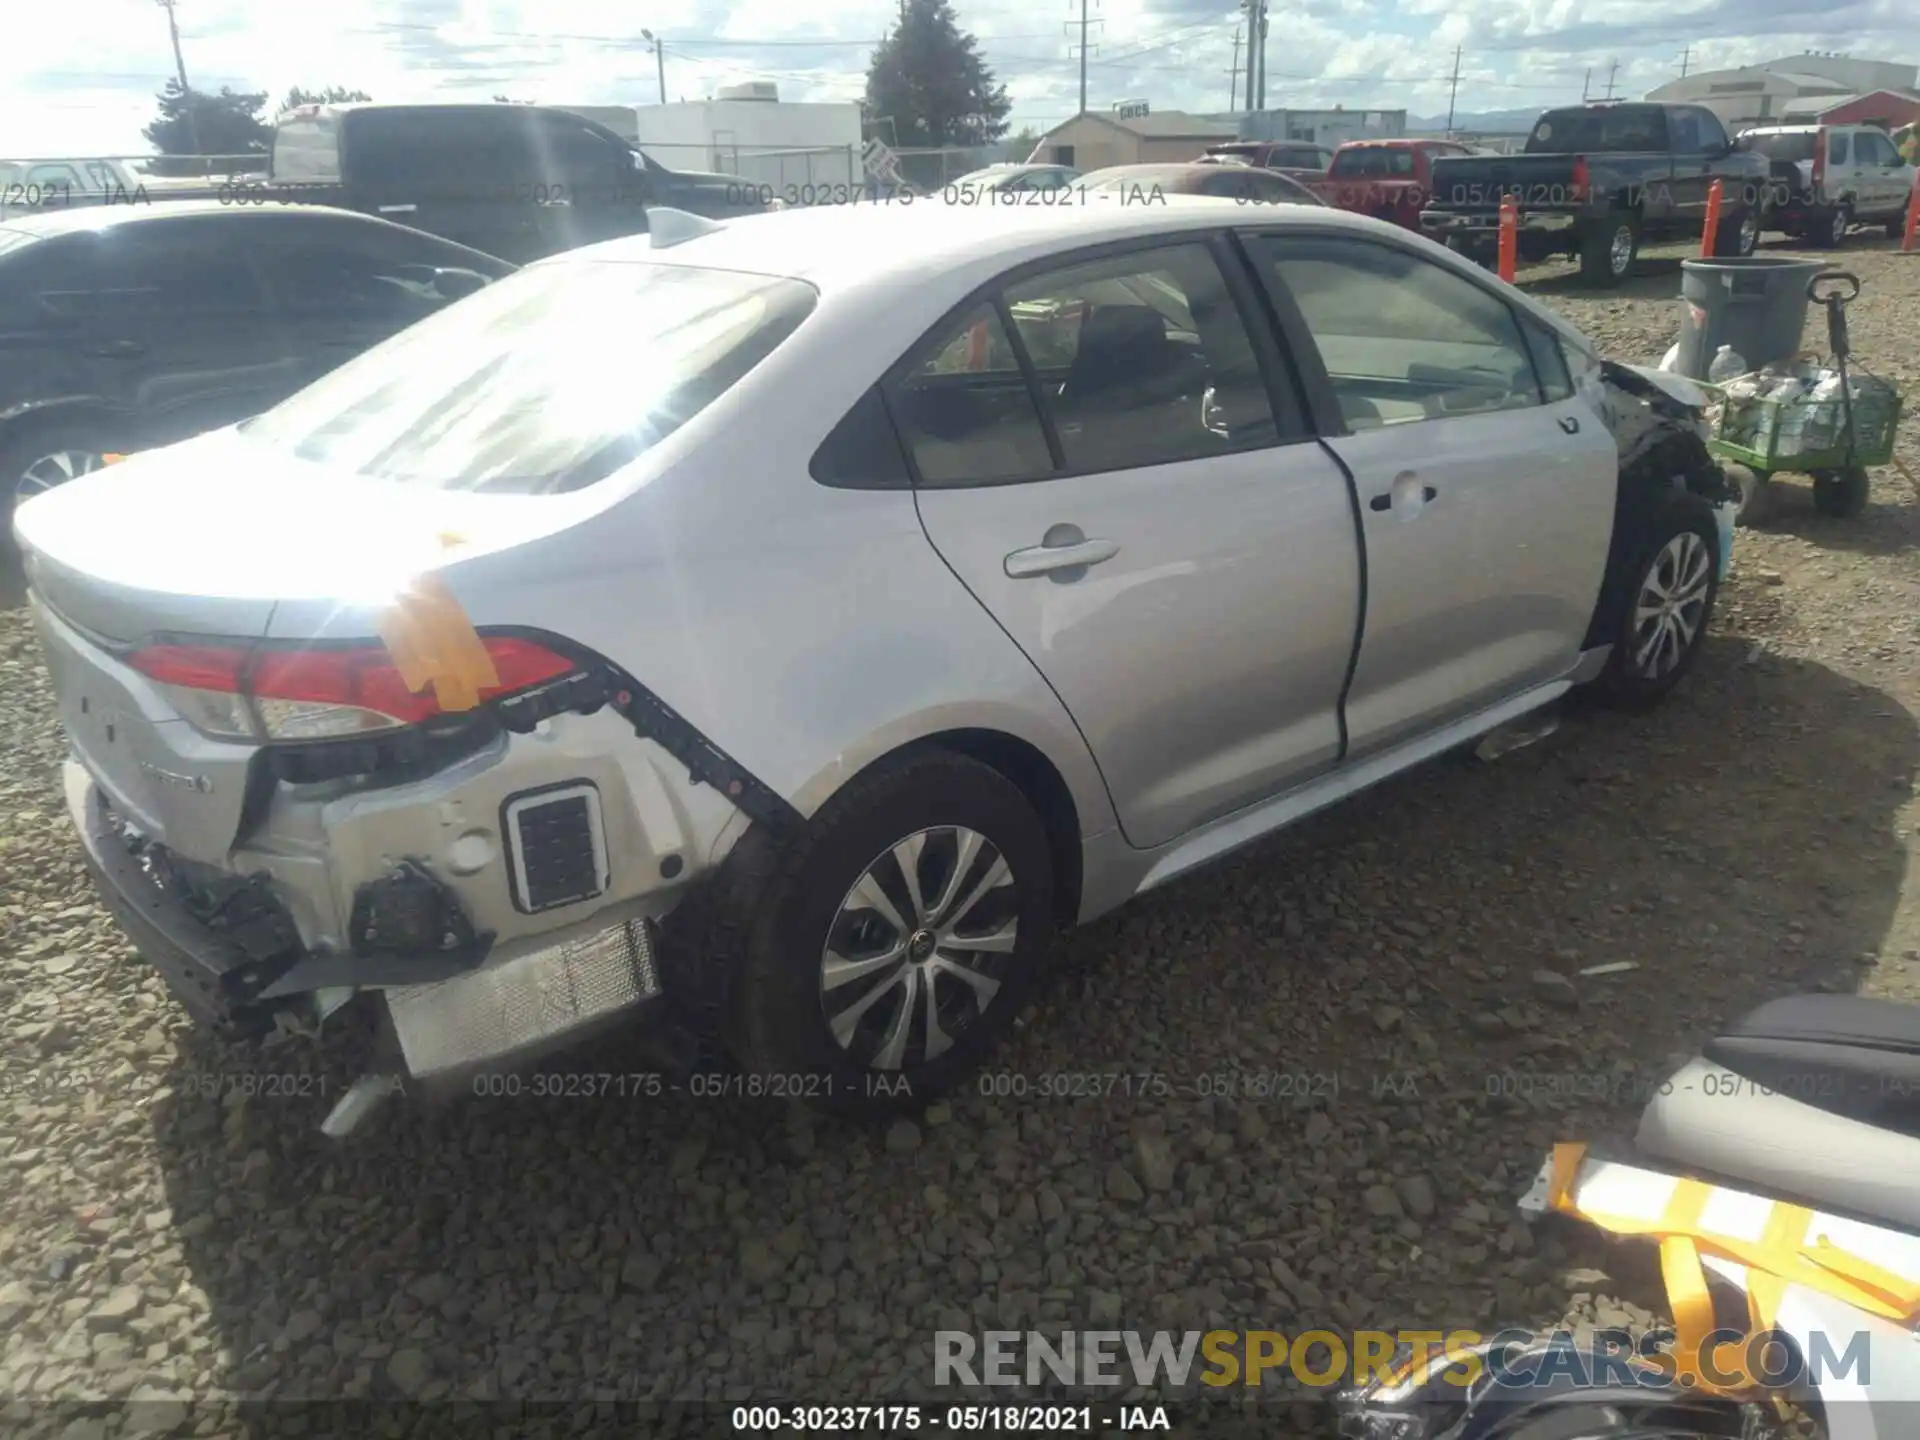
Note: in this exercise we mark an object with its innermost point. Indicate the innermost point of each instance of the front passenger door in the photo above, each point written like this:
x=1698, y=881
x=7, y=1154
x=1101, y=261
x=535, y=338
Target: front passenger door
x=1486, y=488
x=1105, y=460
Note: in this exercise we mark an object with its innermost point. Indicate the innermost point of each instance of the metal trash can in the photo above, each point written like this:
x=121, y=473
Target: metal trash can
x=1757, y=304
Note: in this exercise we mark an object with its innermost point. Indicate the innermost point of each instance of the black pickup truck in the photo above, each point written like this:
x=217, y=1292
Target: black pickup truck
x=516, y=181
x=1598, y=180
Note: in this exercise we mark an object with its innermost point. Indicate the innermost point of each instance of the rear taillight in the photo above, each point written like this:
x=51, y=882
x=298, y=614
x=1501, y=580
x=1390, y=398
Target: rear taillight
x=1819, y=158
x=1579, y=177
x=235, y=692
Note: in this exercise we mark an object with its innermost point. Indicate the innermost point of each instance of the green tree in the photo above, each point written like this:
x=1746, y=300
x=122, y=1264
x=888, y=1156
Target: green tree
x=197, y=122
x=332, y=95
x=1021, y=144
x=927, y=77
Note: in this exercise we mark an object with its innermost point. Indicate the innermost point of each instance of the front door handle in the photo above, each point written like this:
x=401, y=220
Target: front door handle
x=1570, y=424
x=1046, y=559
x=1405, y=488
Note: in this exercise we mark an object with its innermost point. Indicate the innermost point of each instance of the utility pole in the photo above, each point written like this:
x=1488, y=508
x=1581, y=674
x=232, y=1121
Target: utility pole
x=1612, y=70
x=1262, y=39
x=1256, y=53
x=1082, y=24
x=1453, y=90
x=659, y=61
x=1233, y=72
x=180, y=69
x=1586, y=86
x=1686, y=57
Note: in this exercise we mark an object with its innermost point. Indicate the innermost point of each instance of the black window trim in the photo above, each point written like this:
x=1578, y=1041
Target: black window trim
x=1316, y=384
x=1291, y=425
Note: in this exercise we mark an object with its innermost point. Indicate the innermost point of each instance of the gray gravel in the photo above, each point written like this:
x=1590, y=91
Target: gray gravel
x=1371, y=1029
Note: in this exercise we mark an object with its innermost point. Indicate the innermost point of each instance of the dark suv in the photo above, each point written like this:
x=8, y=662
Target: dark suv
x=125, y=327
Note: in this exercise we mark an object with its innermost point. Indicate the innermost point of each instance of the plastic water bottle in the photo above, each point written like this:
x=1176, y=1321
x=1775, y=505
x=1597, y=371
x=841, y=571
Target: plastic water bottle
x=1727, y=363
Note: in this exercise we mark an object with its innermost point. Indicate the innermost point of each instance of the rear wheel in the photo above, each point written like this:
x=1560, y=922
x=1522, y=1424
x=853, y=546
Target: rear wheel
x=1608, y=250
x=1739, y=233
x=1664, y=617
x=897, y=938
x=1831, y=233
x=1897, y=227
x=1840, y=493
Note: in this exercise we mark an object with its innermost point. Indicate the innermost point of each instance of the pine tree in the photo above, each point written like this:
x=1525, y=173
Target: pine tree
x=927, y=77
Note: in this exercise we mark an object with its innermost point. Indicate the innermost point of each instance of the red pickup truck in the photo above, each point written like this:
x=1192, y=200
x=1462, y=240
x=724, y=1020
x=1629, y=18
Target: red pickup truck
x=1387, y=179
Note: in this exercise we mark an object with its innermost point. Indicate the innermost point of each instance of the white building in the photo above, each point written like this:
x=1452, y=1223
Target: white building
x=1763, y=93
x=744, y=130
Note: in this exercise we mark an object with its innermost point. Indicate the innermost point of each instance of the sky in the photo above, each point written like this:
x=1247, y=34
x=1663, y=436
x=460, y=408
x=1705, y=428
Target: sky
x=83, y=73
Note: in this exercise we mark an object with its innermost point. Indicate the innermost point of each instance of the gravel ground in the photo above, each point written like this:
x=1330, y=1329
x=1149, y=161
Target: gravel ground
x=1338, y=1016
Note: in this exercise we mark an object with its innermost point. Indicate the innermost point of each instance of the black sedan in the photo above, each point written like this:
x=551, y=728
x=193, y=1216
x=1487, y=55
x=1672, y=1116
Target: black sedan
x=124, y=327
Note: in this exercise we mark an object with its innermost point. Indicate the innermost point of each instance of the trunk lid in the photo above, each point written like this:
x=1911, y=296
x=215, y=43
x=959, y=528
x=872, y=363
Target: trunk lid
x=209, y=539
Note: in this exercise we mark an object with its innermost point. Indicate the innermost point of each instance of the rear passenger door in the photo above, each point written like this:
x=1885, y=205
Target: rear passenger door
x=583, y=191
x=1105, y=453
x=1486, y=485
x=180, y=331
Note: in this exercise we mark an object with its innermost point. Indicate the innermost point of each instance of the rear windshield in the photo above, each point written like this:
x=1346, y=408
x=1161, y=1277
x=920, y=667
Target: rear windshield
x=1593, y=129
x=307, y=150
x=1372, y=162
x=545, y=382
x=13, y=239
x=1779, y=147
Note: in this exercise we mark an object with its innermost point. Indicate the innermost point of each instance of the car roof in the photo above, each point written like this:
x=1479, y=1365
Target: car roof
x=97, y=219
x=894, y=245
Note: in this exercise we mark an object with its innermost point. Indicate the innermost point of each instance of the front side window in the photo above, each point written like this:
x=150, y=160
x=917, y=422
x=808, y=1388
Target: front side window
x=518, y=389
x=1837, y=147
x=1402, y=338
x=339, y=268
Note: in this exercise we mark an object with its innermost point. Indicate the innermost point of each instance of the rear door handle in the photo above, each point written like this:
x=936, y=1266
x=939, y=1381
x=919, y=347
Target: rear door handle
x=1401, y=486
x=1045, y=559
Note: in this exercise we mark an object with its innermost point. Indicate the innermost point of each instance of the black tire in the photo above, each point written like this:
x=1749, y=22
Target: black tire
x=28, y=443
x=1630, y=681
x=1733, y=240
x=1757, y=495
x=1897, y=227
x=777, y=1022
x=1602, y=247
x=1841, y=494
x=1832, y=233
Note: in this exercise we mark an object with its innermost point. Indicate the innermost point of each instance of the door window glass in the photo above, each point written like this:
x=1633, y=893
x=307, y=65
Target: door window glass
x=572, y=156
x=965, y=411
x=174, y=268
x=1142, y=359
x=1549, y=362
x=320, y=267
x=1403, y=339
x=1837, y=148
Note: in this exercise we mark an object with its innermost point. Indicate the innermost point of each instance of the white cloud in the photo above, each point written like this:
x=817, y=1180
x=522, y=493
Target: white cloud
x=92, y=67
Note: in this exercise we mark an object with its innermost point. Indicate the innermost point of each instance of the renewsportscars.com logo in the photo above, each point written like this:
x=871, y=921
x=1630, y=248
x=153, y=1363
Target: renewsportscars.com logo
x=1729, y=1360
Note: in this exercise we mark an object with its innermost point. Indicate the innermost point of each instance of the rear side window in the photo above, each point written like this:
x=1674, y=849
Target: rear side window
x=1372, y=162
x=429, y=152
x=863, y=452
x=307, y=150
x=517, y=390
x=1838, y=147
x=1791, y=148
x=964, y=408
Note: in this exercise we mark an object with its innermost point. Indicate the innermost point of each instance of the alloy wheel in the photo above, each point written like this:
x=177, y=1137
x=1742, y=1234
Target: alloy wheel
x=1620, y=253
x=1749, y=233
x=1837, y=234
x=919, y=948
x=55, y=469
x=1671, y=605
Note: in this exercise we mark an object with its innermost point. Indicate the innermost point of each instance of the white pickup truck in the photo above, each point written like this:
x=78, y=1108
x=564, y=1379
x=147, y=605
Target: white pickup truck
x=1833, y=178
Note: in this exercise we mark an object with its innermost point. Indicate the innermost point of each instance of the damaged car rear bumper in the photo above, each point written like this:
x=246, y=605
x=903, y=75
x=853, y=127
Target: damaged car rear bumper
x=444, y=1022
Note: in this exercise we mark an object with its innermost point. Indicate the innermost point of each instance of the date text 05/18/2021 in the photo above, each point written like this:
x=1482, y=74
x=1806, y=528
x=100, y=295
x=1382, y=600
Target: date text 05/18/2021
x=955, y=1419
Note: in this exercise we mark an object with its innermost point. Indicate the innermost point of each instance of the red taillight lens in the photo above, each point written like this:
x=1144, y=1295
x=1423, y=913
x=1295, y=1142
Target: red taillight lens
x=1819, y=157
x=320, y=693
x=1579, y=177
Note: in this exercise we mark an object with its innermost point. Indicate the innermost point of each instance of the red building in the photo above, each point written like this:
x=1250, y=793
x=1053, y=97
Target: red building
x=1890, y=108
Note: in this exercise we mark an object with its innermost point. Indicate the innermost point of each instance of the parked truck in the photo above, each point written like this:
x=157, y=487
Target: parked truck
x=516, y=181
x=1598, y=181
